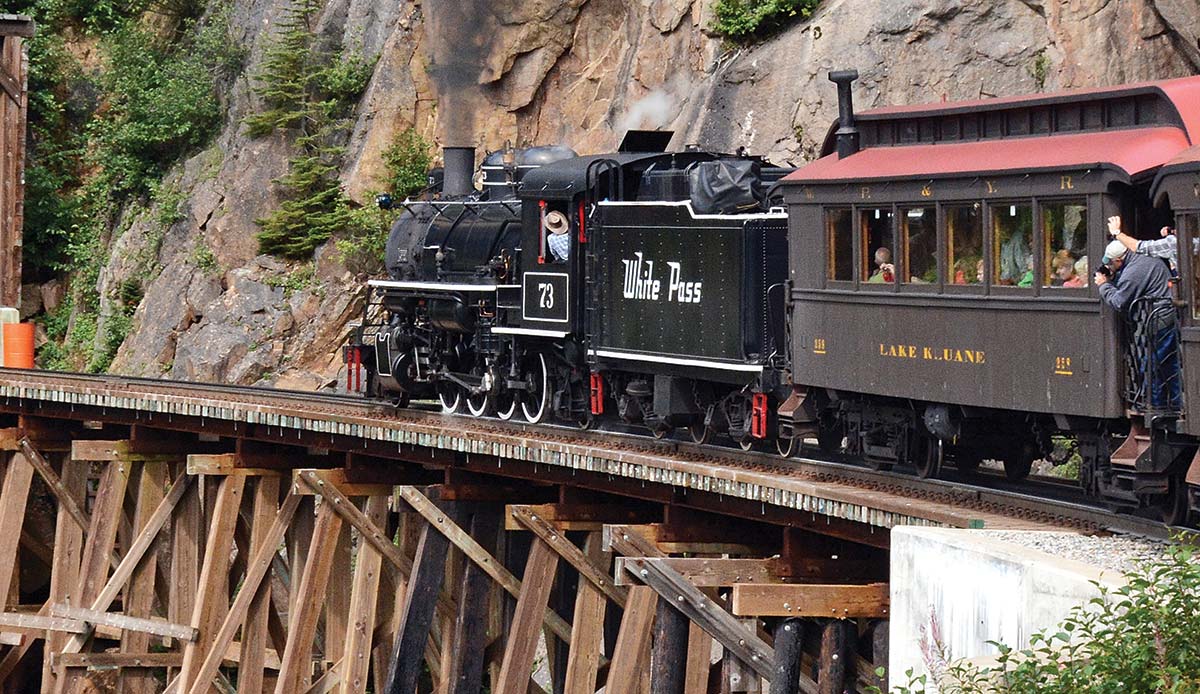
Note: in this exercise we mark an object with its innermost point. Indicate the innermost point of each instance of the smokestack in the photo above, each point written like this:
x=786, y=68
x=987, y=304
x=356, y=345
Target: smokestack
x=847, y=133
x=459, y=170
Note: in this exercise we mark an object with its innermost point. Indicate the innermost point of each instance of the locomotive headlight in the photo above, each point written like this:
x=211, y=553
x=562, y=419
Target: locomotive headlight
x=556, y=222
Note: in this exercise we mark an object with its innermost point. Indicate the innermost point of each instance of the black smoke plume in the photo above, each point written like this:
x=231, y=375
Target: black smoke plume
x=458, y=35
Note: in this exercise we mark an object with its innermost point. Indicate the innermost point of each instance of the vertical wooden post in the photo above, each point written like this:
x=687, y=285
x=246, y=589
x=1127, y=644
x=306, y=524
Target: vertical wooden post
x=337, y=601
x=470, y=625
x=699, y=660
x=587, y=626
x=668, y=650
x=295, y=666
x=186, y=544
x=789, y=646
x=636, y=625
x=416, y=612
x=139, y=592
x=832, y=661
x=879, y=651
x=12, y=177
x=64, y=571
x=521, y=646
x=212, y=593
x=254, y=631
x=364, y=598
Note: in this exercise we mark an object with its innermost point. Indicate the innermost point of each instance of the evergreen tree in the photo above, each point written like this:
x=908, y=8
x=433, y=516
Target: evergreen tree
x=306, y=92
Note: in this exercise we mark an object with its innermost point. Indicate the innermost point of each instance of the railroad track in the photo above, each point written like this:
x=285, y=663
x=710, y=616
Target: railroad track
x=1041, y=501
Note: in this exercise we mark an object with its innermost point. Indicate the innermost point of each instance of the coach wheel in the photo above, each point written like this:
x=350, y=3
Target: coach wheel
x=700, y=432
x=536, y=403
x=661, y=432
x=967, y=464
x=450, y=397
x=878, y=465
x=787, y=447
x=1176, y=507
x=829, y=437
x=747, y=443
x=928, y=458
x=1017, y=467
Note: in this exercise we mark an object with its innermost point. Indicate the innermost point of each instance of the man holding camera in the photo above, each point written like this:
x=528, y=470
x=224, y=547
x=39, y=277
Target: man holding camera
x=1140, y=287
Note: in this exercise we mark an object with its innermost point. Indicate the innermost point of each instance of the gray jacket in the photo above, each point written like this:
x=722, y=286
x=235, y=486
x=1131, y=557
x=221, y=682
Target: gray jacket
x=1140, y=276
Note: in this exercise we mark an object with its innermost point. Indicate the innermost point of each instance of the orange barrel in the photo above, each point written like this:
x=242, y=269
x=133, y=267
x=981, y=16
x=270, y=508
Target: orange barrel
x=18, y=345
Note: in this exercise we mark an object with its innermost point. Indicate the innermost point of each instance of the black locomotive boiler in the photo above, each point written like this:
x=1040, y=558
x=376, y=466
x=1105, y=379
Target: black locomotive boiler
x=644, y=286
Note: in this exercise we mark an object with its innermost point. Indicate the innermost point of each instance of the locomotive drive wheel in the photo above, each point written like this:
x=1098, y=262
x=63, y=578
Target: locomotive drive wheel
x=450, y=397
x=536, y=403
x=481, y=405
x=506, y=405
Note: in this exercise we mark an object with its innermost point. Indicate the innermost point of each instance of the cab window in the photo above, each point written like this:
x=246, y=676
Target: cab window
x=1064, y=244
x=840, y=242
x=878, y=249
x=1012, y=245
x=918, y=231
x=964, y=244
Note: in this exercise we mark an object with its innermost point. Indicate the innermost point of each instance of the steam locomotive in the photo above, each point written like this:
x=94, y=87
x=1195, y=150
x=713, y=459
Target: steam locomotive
x=936, y=309
x=641, y=284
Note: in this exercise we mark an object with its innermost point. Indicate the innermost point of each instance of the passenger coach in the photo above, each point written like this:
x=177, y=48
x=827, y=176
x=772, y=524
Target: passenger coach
x=942, y=301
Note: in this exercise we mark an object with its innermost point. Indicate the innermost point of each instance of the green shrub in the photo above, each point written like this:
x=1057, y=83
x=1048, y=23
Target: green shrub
x=1141, y=637
x=406, y=162
x=744, y=20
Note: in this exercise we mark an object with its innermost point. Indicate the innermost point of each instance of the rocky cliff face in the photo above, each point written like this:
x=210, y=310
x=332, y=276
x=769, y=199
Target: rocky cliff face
x=580, y=72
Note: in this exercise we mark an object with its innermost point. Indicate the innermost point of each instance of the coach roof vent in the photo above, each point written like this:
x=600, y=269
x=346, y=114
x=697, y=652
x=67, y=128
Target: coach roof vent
x=847, y=132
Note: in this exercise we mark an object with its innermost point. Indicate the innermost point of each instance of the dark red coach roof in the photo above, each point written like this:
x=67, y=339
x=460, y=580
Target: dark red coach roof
x=1133, y=150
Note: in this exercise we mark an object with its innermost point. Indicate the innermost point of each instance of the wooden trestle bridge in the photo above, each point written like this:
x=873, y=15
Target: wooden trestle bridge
x=186, y=538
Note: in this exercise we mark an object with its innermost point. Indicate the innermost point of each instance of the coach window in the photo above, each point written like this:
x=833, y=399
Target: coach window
x=1064, y=243
x=918, y=231
x=877, y=265
x=839, y=233
x=1012, y=245
x=964, y=244
x=1191, y=235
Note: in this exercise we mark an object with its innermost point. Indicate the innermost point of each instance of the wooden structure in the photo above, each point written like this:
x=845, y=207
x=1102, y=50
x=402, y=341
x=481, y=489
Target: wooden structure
x=14, y=99
x=145, y=560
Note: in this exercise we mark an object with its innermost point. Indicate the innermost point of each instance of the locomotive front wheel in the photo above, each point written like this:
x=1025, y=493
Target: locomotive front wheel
x=929, y=457
x=536, y=403
x=787, y=447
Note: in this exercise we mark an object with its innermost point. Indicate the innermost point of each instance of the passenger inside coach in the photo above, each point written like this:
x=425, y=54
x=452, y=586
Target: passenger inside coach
x=885, y=271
